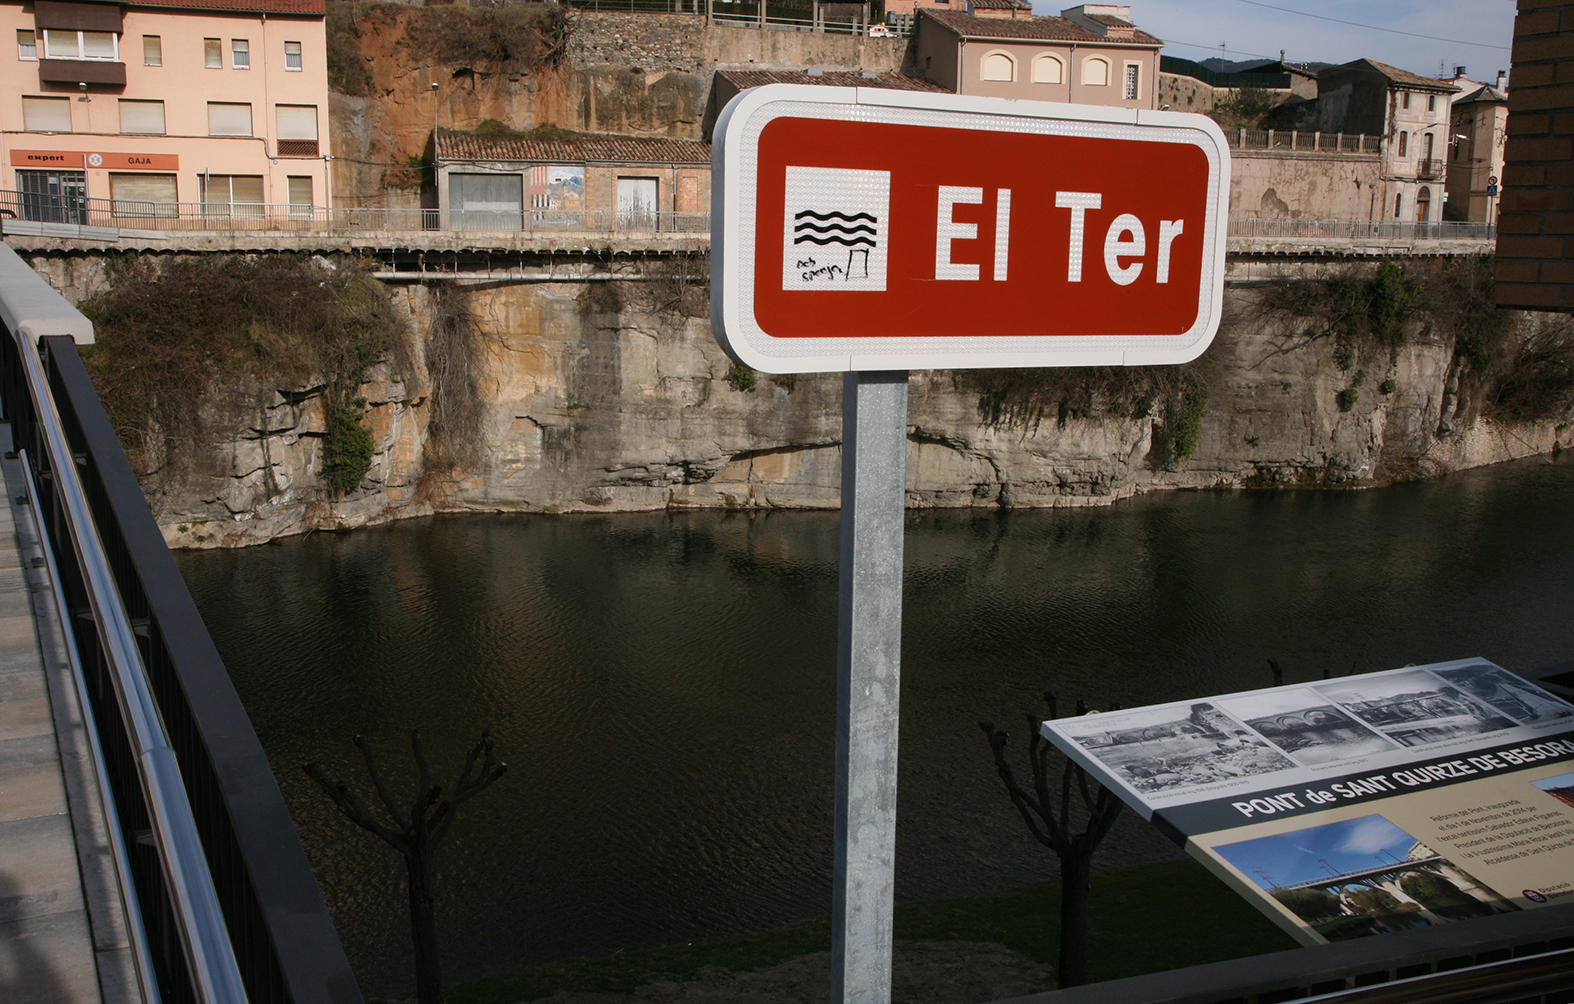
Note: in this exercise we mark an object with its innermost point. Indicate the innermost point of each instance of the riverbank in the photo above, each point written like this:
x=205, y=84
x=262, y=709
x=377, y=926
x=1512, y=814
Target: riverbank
x=952, y=951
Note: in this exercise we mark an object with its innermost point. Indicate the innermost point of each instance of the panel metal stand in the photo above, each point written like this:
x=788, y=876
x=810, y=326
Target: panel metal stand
x=869, y=648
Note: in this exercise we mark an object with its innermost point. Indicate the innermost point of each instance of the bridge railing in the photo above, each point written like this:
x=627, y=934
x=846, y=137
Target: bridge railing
x=217, y=885
x=1377, y=231
x=20, y=208
x=188, y=217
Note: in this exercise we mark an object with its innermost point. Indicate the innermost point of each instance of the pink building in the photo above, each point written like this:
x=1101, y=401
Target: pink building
x=222, y=103
x=1090, y=55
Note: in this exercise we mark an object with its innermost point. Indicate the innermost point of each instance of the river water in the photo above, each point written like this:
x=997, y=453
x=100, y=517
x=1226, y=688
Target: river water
x=662, y=686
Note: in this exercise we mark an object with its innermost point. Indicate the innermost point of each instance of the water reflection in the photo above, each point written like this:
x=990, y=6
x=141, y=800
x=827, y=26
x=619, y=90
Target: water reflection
x=663, y=685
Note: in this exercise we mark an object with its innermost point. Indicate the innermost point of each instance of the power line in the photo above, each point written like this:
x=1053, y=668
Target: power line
x=1215, y=48
x=1373, y=27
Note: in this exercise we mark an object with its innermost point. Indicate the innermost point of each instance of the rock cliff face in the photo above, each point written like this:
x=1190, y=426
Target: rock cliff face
x=643, y=74
x=607, y=397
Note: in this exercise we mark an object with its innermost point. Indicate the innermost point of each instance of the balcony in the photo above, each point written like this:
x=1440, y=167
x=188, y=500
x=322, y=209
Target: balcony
x=1428, y=168
x=105, y=72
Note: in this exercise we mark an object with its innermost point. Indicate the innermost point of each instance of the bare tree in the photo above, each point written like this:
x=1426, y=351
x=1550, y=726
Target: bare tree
x=1051, y=817
x=416, y=834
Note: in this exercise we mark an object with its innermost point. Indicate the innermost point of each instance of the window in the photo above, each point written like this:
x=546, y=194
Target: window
x=1404, y=99
x=139, y=195
x=1133, y=78
x=152, y=50
x=240, y=53
x=1048, y=70
x=231, y=194
x=226, y=119
x=1095, y=72
x=1404, y=144
x=292, y=55
x=146, y=117
x=998, y=66
x=212, y=54
x=297, y=130
x=46, y=114
x=26, y=44
x=300, y=195
x=1431, y=102
x=1399, y=205
x=60, y=44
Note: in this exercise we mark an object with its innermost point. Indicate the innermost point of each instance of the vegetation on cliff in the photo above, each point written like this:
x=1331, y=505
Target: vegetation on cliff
x=170, y=330
x=1506, y=369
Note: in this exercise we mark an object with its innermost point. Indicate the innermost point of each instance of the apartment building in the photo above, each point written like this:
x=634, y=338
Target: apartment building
x=219, y=103
x=1091, y=55
x=1477, y=148
x=1413, y=115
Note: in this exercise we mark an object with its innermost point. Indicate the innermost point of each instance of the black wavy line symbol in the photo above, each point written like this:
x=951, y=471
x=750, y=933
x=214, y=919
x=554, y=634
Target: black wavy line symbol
x=867, y=242
x=836, y=228
x=855, y=231
x=846, y=217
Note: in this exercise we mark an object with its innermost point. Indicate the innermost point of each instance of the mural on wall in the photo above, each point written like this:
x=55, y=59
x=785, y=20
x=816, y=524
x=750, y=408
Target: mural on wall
x=557, y=188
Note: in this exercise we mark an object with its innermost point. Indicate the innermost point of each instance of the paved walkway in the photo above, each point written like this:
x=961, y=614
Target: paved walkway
x=62, y=935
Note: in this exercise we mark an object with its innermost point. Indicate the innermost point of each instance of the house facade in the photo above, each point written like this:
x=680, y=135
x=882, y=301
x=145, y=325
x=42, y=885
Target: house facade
x=590, y=181
x=222, y=103
x=1091, y=55
x=1476, y=153
x=1413, y=115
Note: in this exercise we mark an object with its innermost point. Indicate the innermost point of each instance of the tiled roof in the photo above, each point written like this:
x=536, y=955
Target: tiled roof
x=742, y=79
x=1487, y=93
x=586, y=148
x=260, y=6
x=1048, y=29
x=1002, y=5
x=1407, y=78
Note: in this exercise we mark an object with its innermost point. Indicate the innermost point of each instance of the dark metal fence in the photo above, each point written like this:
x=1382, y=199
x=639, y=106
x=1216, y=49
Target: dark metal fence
x=283, y=940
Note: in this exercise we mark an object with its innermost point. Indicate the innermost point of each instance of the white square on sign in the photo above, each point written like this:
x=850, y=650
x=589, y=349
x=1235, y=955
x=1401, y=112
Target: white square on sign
x=834, y=234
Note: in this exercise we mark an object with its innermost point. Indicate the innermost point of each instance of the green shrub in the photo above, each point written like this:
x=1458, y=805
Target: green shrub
x=1389, y=386
x=1348, y=398
x=1185, y=420
x=348, y=446
x=741, y=377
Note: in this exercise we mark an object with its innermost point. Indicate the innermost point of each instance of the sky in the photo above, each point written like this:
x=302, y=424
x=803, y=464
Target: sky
x=1478, y=32
x=1292, y=858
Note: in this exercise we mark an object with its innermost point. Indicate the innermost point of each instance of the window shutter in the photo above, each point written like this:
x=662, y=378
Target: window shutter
x=46, y=114
x=297, y=121
x=142, y=187
x=142, y=117
x=229, y=119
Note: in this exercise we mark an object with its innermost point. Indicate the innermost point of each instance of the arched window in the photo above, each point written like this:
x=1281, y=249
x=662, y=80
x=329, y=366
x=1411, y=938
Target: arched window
x=1048, y=70
x=1095, y=71
x=998, y=66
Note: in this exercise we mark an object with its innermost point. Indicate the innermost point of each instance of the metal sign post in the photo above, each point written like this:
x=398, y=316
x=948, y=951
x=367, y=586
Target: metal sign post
x=868, y=677
x=872, y=232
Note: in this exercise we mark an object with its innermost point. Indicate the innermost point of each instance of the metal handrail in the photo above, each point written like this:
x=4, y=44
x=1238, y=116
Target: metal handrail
x=205, y=941
x=136, y=930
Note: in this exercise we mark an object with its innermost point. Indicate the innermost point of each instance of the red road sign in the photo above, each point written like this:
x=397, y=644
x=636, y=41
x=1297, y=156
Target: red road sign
x=865, y=229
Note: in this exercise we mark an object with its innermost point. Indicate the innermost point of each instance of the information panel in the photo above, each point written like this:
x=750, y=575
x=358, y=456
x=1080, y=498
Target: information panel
x=867, y=229
x=1358, y=805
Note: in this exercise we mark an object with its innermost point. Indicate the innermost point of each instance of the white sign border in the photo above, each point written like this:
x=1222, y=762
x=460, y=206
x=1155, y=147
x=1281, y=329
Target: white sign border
x=733, y=253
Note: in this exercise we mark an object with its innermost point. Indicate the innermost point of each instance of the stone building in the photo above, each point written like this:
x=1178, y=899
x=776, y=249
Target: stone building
x=150, y=103
x=1091, y=55
x=1411, y=113
x=594, y=181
